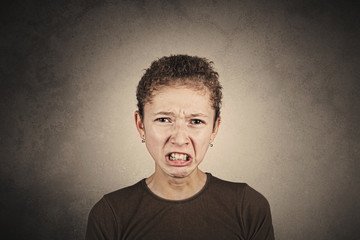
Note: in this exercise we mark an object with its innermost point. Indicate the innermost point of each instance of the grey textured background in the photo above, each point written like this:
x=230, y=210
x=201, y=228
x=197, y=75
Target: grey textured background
x=290, y=72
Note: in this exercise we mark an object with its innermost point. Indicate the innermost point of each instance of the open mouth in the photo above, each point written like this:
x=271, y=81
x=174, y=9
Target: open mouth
x=178, y=156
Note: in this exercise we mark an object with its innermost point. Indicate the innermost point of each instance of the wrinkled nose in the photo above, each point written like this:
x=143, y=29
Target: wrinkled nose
x=179, y=135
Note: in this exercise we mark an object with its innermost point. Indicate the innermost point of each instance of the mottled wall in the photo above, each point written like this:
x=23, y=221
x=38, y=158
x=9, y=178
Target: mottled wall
x=290, y=72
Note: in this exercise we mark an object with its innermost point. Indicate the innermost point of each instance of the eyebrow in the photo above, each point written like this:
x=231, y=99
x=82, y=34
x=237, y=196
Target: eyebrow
x=173, y=114
x=165, y=113
x=198, y=115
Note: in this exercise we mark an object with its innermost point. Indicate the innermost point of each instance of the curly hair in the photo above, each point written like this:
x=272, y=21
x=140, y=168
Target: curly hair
x=181, y=70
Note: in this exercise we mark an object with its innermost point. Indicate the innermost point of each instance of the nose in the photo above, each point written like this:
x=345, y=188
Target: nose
x=179, y=135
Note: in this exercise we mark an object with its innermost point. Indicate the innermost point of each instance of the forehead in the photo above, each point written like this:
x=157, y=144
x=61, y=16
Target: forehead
x=174, y=98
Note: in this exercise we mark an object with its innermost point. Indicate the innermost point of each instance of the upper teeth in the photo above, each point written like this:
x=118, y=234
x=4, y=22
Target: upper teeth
x=178, y=156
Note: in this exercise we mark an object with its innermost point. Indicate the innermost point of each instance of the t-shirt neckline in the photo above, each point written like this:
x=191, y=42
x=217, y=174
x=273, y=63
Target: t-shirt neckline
x=196, y=195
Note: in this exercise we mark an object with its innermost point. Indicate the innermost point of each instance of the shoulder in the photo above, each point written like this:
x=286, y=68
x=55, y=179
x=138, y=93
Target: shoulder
x=245, y=193
x=253, y=209
x=123, y=195
x=220, y=183
x=255, y=214
x=226, y=188
x=107, y=215
x=251, y=197
x=114, y=202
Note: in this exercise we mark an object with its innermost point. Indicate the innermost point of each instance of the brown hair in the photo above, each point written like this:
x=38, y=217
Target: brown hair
x=179, y=70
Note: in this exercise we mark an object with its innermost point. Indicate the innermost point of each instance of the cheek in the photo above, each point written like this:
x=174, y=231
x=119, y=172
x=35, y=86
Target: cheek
x=154, y=146
x=157, y=135
x=202, y=140
x=155, y=139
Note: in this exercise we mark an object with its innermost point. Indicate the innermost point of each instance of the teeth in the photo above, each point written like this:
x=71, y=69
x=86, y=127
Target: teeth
x=178, y=156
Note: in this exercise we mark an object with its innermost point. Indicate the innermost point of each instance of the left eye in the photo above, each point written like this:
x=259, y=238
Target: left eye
x=196, y=121
x=164, y=120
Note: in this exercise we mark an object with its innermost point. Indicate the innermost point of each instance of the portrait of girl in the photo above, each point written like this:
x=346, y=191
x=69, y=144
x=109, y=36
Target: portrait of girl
x=179, y=100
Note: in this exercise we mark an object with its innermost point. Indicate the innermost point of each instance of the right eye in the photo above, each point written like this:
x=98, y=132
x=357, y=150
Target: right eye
x=163, y=120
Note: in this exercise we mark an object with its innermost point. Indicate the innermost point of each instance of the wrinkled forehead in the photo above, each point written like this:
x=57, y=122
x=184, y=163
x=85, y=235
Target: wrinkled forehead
x=180, y=100
x=196, y=86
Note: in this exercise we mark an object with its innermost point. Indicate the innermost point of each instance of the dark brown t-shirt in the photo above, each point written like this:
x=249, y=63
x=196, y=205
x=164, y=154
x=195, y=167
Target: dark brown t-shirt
x=221, y=210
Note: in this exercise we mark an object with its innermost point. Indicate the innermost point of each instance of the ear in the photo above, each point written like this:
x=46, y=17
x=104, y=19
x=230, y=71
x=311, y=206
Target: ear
x=139, y=125
x=215, y=129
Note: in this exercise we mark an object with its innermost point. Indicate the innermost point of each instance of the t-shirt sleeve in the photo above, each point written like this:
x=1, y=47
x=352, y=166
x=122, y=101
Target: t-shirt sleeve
x=256, y=215
x=101, y=222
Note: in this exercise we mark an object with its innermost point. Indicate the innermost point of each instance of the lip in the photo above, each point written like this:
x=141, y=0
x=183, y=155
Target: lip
x=178, y=163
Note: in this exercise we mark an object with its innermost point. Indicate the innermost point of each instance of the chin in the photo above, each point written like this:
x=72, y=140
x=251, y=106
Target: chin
x=181, y=174
x=178, y=174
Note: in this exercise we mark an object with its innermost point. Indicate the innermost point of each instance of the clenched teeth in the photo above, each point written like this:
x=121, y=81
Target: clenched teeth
x=178, y=156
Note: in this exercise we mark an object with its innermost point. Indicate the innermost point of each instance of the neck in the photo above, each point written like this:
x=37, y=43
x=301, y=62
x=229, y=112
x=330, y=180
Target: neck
x=176, y=188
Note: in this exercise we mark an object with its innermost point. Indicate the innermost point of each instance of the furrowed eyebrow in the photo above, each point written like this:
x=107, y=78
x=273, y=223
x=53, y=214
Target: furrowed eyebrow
x=165, y=113
x=193, y=115
x=198, y=115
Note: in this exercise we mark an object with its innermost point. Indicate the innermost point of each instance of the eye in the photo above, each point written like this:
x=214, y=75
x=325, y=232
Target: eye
x=196, y=121
x=163, y=120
